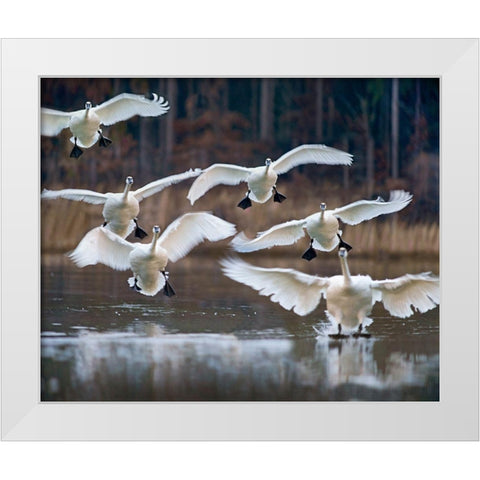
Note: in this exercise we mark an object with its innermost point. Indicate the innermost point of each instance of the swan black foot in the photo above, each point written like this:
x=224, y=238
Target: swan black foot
x=278, y=197
x=246, y=202
x=310, y=253
x=139, y=232
x=343, y=244
x=339, y=335
x=76, y=151
x=135, y=285
x=104, y=141
x=360, y=333
x=167, y=289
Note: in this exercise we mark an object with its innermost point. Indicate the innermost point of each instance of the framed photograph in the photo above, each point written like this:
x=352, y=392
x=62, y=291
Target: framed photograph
x=158, y=310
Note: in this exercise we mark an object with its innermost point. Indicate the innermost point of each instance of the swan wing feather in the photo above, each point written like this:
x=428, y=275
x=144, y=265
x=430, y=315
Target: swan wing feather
x=362, y=210
x=158, y=185
x=288, y=287
x=127, y=105
x=219, y=173
x=100, y=245
x=53, y=121
x=421, y=291
x=191, y=229
x=319, y=154
x=282, y=234
x=79, y=195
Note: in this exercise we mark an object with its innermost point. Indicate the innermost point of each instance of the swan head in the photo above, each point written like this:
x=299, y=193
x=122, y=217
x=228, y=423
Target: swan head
x=129, y=180
x=156, y=230
x=323, y=206
x=268, y=162
x=88, y=105
x=342, y=253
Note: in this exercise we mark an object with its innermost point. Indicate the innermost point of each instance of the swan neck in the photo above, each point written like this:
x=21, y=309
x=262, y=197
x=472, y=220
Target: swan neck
x=345, y=270
x=128, y=186
x=154, y=242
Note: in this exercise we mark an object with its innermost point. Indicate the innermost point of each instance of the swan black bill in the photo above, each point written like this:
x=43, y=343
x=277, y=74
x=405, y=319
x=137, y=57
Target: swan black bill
x=343, y=244
x=104, y=141
x=245, y=203
x=76, y=151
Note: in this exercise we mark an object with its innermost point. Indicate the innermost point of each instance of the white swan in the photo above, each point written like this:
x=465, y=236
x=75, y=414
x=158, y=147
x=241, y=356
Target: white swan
x=323, y=226
x=120, y=210
x=85, y=124
x=262, y=180
x=349, y=298
x=148, y=261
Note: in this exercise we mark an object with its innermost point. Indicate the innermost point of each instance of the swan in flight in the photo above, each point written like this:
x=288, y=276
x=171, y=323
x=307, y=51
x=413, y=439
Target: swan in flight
x=262, y=180
x=85, y=124
x=323, y=226
x=148, y=261
x=121, y=209
x=350, y=298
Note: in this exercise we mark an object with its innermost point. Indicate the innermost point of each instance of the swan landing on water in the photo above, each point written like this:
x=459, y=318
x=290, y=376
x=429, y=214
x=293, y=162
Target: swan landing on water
x=148, y=261
x=120, y=210
x=350, y=298
x=323, y=226
x=85, y=124
x=262, y=180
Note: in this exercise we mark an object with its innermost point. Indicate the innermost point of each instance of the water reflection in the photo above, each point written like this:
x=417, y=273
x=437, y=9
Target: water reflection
x=101, y=341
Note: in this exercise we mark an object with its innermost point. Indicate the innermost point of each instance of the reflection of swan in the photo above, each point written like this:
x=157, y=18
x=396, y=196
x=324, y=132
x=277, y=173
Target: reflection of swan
x=349, y=298
x=121, y=209
x=262, y=180
x=148, y=261
x=323, y=227
x=85, y=124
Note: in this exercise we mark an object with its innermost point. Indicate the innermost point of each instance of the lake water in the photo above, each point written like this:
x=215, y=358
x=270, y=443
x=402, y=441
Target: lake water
x=217, y=340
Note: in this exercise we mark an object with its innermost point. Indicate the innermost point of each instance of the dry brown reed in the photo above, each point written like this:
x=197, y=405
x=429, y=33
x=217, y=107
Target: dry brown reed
x=64, y=222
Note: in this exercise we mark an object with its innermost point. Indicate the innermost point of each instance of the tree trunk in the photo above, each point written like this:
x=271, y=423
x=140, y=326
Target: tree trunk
x=319, y=109
x=266, y=109
x=395, y=166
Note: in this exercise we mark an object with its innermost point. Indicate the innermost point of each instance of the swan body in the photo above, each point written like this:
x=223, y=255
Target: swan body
x=148, y=261
x=350, y=298
x=262, y=180
x=85, y=124
x=120, y=210
x=322, y=227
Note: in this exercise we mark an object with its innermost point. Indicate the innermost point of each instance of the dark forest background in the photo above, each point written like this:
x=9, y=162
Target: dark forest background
x=390, y=125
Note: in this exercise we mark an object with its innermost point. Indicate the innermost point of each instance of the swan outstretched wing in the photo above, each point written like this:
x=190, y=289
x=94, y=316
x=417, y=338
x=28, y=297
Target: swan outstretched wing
x=191, y=229
x=159, y=185
x=215, y=175
x=288, y=287
x=127, y=105
x=362, y=210
x=282, y=234
x=53, y=121
x=320, y=154
x=421, y=291
x=76, y=194
x=102, y=246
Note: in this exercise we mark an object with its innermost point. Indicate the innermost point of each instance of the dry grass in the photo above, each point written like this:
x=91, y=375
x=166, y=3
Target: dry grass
x=65, y=222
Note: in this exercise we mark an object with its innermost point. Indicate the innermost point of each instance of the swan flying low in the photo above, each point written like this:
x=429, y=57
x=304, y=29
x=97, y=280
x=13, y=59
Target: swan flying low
x=120, y=210
x=262, y=180
x=85, y=124
x=350, y=298
x=148, y=261
x=323, y=226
